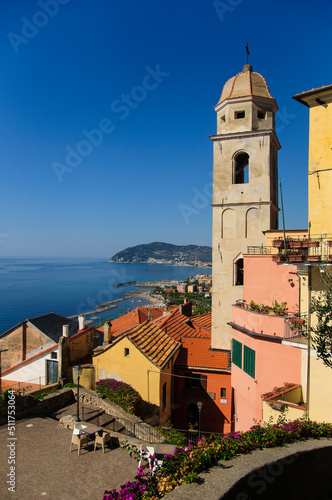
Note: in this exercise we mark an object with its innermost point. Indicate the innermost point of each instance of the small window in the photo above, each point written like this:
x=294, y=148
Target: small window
x=239, y=268
x=261, y=115
x=223, y=119
x=54, y=355
x=223, y=392
x=126, y=352
x=239, y=114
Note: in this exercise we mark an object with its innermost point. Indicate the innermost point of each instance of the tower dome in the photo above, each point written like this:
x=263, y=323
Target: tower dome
x=246, y=83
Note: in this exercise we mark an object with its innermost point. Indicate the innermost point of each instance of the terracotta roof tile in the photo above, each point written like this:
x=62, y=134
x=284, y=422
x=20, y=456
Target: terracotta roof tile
x=245, y=84
x=197, y=352
x=176, y=325
x=153, y=342
x=202, y=322
x=133, y=318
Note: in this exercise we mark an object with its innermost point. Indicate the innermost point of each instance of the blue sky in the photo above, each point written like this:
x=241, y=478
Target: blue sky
x=144, y=76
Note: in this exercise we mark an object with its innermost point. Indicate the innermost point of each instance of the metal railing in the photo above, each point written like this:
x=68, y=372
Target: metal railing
x=314, y=249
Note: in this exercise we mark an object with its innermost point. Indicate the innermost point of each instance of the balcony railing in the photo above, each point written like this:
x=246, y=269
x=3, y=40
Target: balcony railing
x=280, y=324
x=313, y=249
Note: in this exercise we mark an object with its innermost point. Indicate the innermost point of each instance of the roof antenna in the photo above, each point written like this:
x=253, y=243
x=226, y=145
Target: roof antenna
x=248, y=53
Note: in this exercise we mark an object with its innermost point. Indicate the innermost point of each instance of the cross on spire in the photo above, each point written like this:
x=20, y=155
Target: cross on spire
x=247, y=47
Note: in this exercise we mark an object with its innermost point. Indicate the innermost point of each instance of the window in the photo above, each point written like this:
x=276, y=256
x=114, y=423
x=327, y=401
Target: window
x=241, y=169
x=54, y=355
x=223, y=392
x=126, y=352
x=164, y=395
x=261, y=115
x=249, y=361
x=239, y=266
x=239, y=114
x=237, y=353
x=223, y=119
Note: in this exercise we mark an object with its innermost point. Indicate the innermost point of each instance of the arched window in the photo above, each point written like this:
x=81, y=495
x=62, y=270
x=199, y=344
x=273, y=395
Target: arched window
x=241, y=169
x=239, y=272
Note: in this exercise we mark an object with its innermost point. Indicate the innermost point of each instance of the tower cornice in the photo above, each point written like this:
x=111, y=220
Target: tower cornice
x=245, y=135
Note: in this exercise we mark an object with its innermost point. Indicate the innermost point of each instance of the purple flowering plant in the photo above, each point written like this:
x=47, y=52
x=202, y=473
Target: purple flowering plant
x=185, y=464
x=121, y=394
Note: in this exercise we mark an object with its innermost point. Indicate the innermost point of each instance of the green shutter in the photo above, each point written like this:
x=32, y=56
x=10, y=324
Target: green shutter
x=249, y=361
x=237, y=353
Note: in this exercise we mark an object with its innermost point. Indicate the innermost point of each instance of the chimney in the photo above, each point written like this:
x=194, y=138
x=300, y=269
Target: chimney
x=149, y=315
x=81, y=322
x=65, y=330
x=165, y=312
x=107, y=333
x=133, y=314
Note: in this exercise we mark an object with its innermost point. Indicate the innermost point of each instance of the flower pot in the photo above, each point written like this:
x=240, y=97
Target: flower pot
x=312, y=244
x=296, y=258
x=313, y=258
x=298, y=321
x=278, y=258
x=278, y=243
x=295, y=244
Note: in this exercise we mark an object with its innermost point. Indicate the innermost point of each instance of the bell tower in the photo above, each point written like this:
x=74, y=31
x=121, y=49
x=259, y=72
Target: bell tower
x=245, y=188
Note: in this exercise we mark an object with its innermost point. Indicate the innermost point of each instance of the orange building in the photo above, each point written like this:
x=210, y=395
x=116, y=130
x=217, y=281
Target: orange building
x=203, y=376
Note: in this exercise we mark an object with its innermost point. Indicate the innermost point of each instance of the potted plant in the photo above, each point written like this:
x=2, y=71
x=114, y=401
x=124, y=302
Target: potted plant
x=279, y=309
x=278, y=243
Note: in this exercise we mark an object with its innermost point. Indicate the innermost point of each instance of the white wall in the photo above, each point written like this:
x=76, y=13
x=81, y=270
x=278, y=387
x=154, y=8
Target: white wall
x=30, y=371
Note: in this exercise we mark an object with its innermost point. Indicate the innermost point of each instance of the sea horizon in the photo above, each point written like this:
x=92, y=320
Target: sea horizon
x=34, y=286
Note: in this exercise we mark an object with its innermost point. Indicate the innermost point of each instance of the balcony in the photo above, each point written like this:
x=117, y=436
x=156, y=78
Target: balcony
x=316, y=249
x=264, y=322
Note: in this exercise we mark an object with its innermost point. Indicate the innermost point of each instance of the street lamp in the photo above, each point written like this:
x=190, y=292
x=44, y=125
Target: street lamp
x=199, y=406
x=78, y=371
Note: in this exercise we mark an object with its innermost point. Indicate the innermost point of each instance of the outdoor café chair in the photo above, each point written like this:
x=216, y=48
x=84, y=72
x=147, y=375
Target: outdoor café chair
x=79, y=440
x=104, y=438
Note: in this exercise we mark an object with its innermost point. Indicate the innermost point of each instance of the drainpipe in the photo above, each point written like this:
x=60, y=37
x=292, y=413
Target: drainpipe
x=308, y=353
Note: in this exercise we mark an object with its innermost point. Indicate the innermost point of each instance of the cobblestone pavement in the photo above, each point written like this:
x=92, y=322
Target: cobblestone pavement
x=45, y=468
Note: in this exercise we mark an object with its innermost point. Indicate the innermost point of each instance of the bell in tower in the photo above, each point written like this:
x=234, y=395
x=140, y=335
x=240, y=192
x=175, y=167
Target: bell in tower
x=245, y=188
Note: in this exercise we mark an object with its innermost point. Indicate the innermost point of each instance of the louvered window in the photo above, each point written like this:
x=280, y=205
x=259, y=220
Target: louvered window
x=249, y=361
x=237, y=353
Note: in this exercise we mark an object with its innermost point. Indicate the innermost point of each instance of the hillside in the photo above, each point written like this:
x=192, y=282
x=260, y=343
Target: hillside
x=165, y=253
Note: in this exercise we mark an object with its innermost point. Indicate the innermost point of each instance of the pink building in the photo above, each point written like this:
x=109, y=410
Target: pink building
x=266, y=350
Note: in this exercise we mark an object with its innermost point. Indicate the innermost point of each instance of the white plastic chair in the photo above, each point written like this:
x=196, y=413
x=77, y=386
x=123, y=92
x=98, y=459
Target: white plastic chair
x=79, y=438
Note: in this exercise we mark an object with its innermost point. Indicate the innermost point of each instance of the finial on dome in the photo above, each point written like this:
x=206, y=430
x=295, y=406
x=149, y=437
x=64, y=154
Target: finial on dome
x=246, y=68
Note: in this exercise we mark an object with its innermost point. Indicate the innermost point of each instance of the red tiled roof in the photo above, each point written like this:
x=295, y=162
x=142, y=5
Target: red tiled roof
x=197, y=353
x=153, y=342
x=245, y=84
x=176, y=325
x=133, y=318
x=202, y=321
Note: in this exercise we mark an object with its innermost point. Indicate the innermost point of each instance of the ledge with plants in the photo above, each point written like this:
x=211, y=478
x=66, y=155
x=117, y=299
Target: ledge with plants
x=121, y=394
x=187, y=463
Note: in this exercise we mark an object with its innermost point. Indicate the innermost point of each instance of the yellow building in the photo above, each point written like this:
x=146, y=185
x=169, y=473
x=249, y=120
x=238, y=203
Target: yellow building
x=143, y=357
x=320, y=158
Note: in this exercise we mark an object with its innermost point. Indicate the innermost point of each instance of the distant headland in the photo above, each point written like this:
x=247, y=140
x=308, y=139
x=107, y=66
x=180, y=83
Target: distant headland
x=166, y=253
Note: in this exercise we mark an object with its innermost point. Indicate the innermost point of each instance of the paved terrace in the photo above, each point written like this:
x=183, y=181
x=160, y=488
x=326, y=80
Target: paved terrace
x=45, y=468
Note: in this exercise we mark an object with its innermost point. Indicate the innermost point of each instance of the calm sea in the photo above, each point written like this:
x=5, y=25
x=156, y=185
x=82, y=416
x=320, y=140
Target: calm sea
x=33, y=287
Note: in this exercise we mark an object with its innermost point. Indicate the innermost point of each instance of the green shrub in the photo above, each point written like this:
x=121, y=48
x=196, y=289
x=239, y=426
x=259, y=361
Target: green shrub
x=172, y=436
